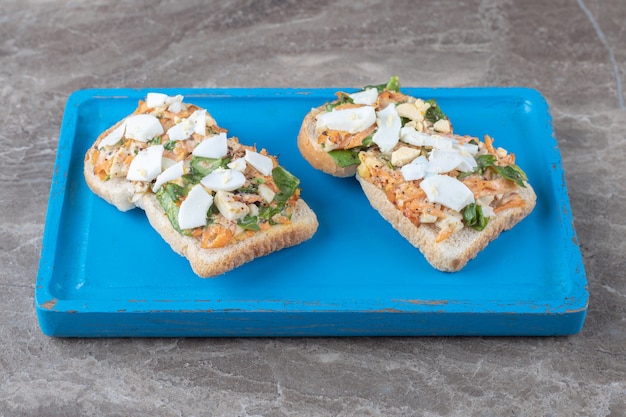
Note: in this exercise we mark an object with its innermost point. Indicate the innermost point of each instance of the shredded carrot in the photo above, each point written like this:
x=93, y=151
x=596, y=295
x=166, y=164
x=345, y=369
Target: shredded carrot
x=215, y=236
x=94, y=156
x=443, y=234
x=489, y=145
x=515, y=200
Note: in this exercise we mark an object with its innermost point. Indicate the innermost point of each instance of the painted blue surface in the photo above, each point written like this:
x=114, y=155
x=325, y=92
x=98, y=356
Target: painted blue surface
x=106, y=273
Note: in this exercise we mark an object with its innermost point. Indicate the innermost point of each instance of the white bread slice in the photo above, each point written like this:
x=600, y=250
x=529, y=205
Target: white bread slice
x=453, y=253
x=105, y=174
x=212, y=262
x=313, y=152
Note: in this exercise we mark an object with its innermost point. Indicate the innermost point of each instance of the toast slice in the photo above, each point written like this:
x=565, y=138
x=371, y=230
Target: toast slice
x=452, y=214
x=214, y=200
x=216, y=261
x=332, y=135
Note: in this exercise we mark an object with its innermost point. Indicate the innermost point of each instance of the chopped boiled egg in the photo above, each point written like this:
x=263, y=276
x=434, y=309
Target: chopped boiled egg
x=175, y=103
x=262, y=163
x=229, y=207
x=389, y=124
x=238, y=164
x=447, y=191
x=170, y=174
x=155, y=99
x=413, y=137
x=415, y=170
x=199, y=120
x=410, y=111
x=266, y=192
x=404, y=155
x=181, y=130
x=113, y=137
x=215, y=146
x=351, y=120
x=193, y=210
x=443, y=160
x=224, y=179
x=442, y=126
x=367, y=97
x=146, y=165
x=143, y=127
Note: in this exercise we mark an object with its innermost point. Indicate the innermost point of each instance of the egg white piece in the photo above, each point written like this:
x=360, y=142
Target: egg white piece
x=262, y=163
x=181, y=130
x=114, y=136
x=416, y=169
x=224, y=180
x=199, y=120
x=409, y=135
x=143, y=127
x=389, y=124
x=367, y=97
x=154, y=100
x=229, y=207
x=238, y=164
x=170, y=174
x=442, y=160
x=267, y=193
x=193, y=210
x=215, y=146
x=146, y=165
x=447, y=191
x=352, y=120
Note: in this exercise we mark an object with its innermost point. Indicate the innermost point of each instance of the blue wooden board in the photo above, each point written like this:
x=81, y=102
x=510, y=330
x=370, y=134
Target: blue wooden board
x=104, y=273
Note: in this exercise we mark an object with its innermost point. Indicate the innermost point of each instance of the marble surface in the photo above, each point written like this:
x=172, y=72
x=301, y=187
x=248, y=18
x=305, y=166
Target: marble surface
x=573, y=51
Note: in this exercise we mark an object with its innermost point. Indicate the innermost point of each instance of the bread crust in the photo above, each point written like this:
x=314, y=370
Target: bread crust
x=213, y=262
x=456, y=251
x=314, y=153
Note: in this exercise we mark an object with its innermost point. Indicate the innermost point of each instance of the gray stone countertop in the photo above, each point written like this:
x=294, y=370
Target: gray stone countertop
x=573, y=51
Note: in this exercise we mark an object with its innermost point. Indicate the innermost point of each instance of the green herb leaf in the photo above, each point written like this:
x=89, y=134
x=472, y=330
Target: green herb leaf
x=286, y=182
x=343, y=99
x=201, y=167
x=170, y=145
x=249, y=222
x=167, y=196
x=345, y=157
x=483, y=163
x=513, y=173
x=155, y=141
x=434, y=112
x=473, y=217
x=392, y=85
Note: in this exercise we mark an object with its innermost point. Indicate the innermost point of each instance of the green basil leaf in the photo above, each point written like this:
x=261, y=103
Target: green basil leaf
x=434, y=112
x=483, y=163
x=201, y=167
x=167, y=196
x=267, y=212
x=286, y=182
x=473, y=217
x=513, y=173
x=392, y=85
x=169, y=145
x=343, y=99
x=249, y=222
x=345, y=157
